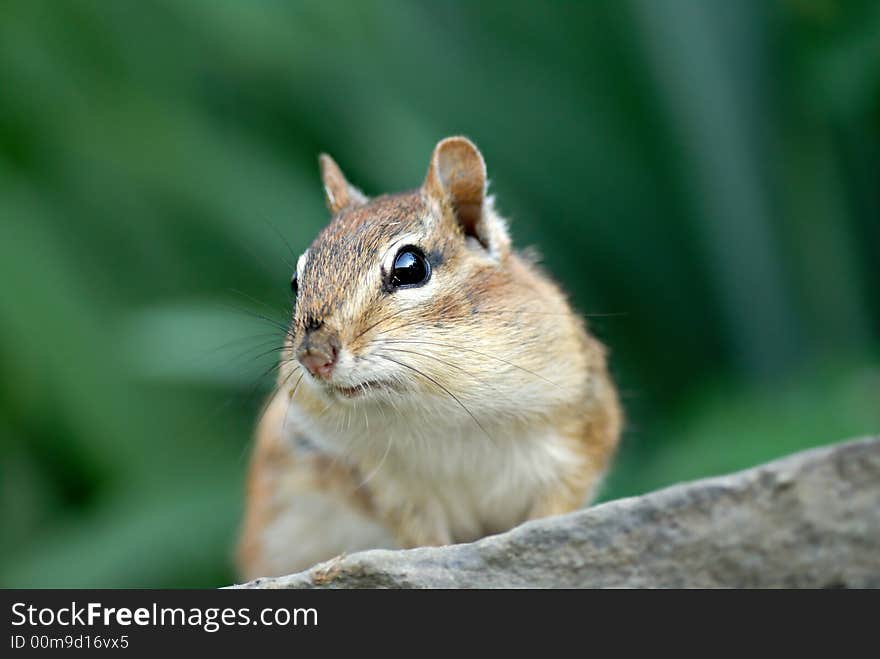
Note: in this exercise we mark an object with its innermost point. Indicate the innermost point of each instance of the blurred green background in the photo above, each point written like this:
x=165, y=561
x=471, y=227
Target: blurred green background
x=706, y=173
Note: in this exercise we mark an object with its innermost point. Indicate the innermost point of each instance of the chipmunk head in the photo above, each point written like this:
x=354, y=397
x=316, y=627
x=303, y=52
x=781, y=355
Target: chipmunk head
x=394, y=283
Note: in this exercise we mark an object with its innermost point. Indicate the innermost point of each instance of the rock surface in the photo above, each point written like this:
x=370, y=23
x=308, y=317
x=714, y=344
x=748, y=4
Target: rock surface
x=811, y=520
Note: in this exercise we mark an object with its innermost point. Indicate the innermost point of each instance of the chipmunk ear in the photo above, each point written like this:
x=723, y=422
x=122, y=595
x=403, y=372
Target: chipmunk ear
x=338, y=192
x=457, y=175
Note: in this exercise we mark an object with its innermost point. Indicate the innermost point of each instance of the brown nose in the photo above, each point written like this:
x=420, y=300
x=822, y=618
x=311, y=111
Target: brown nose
x=319, y=352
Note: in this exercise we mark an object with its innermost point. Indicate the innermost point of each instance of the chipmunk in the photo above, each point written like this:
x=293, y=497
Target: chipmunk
x=435, y=386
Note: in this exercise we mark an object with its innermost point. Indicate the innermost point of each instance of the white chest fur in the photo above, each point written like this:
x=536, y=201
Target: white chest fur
x=467, y=478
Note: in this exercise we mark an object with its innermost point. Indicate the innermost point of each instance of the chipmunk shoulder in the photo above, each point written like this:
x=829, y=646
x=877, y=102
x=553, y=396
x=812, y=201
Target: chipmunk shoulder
x=435, y=386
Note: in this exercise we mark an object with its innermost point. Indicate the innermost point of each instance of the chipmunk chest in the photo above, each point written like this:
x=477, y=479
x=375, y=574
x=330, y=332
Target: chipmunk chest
x=478, y=488
x=460, y=483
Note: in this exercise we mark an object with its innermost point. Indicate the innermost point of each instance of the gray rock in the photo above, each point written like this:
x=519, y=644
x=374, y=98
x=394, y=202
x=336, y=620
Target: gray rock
x=811, y=520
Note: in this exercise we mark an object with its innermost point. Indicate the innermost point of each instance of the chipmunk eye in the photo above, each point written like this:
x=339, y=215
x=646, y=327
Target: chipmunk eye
x=294, y=285
x=411, y=269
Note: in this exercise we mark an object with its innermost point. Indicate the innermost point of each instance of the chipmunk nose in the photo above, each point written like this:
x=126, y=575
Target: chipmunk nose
x=319, y=352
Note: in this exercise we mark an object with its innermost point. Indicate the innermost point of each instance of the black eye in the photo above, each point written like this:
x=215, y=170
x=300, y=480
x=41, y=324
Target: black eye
x=411, y=269
x=294, y=285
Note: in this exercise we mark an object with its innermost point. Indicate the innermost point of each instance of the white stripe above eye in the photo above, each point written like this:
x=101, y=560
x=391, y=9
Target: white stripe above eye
x=301, y=262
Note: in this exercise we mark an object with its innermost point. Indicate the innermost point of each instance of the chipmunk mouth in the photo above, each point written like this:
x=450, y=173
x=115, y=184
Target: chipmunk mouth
x=359, y=390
